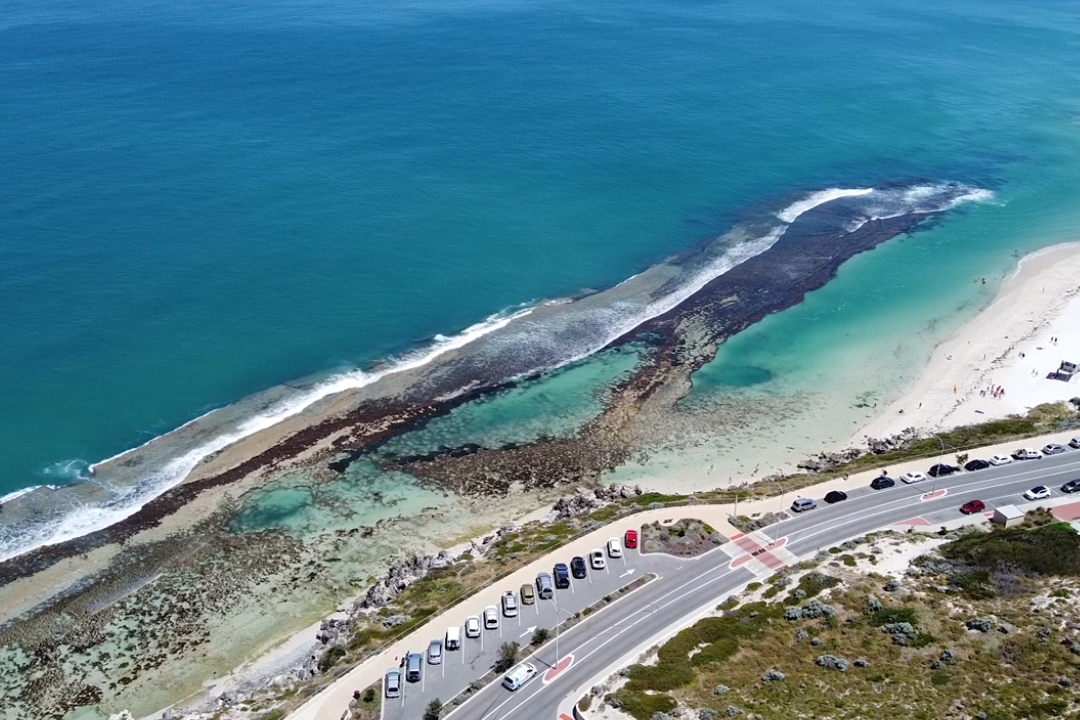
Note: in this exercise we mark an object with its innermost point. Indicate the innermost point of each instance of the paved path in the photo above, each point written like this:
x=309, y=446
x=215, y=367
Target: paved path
x=866, y=510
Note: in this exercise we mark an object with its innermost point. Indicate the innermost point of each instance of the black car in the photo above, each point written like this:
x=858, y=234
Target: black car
x=562, y=576
x=835, y=496
x=1071, y=486
x=577, y=567
x=941, y=470
x=976, y=464
x=880, y=483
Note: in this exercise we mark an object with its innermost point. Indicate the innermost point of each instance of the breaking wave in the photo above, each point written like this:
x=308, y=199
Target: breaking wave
x=539, y=337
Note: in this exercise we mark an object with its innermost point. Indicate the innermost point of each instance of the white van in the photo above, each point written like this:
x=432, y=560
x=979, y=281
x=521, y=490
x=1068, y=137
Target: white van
x=453, y=637
x=519, y=676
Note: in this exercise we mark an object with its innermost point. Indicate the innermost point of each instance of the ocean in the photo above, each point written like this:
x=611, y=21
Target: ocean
x=201, y=201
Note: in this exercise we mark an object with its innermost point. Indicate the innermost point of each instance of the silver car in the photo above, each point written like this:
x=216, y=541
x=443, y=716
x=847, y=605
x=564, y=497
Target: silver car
x=1053, y=449
x=392, y=683
x=434, y=652
x=509, y=604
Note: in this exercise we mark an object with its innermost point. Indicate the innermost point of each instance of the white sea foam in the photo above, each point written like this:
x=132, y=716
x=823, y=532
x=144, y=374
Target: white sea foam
x=603, y=325
x=18, y=493
x=811, y=201
x=125, y=501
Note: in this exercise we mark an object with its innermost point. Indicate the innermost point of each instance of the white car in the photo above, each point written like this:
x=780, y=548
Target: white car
x=1075, y=442
x=596, y=559
x=1000, y=460
x=491, y=617
x=472, y=626
x=509, y=604
x=614, y=547
x=913, y=477
x=1027, y=454
x=1039, y=492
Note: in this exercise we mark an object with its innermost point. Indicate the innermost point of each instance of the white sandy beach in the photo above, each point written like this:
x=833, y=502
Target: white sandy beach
x=1009, y=344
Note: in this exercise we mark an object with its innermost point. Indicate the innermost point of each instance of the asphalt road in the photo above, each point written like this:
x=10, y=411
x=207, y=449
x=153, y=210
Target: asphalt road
x=478, y=655
x=685, y=588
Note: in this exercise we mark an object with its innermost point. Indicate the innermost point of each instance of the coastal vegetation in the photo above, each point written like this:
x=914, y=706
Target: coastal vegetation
x=682, y=538
x=846, y=641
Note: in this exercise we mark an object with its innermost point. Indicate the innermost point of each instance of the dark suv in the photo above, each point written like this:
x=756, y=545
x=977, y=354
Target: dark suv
x=577, y=567
x=880, y=483
x=562, y=576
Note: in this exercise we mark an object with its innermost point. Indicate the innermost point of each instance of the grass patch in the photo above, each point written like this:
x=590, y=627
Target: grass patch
x=848, y=560
x=811, y=584
x=886, y=616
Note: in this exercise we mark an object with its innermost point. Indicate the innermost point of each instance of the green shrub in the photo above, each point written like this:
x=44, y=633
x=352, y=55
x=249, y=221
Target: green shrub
x=939, y=678
x=330, y=658
x=660, y=677
x=848, y=560
x=1047, y=550
x=539, y=636
x=886, y=616
x=642, y=706
x=753, y=586
x=272, y=715
x=976, y=585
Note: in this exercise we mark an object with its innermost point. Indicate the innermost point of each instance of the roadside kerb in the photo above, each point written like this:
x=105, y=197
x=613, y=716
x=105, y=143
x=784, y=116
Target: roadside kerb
x=337, y=694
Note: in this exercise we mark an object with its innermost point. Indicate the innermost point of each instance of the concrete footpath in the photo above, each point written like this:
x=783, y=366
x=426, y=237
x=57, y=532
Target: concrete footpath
x=331, y=703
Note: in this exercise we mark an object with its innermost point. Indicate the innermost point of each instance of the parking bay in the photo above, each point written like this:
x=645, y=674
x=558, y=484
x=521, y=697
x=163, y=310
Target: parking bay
x=477, y=655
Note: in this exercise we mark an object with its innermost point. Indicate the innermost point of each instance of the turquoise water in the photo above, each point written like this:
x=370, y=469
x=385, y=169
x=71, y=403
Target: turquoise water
x=201, y=200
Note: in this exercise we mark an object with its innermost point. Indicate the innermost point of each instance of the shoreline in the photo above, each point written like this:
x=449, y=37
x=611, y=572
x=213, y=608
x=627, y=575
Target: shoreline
x=1040, y=300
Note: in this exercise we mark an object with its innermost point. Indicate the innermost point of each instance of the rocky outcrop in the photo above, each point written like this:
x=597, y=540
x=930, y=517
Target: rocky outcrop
x=587, y=501
x=826, y=461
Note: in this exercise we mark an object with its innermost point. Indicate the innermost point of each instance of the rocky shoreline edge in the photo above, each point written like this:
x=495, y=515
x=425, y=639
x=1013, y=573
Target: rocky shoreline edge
x=257, y=688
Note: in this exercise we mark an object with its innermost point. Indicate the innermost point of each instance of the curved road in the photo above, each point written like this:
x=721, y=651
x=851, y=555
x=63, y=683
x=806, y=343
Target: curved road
x=686, y=589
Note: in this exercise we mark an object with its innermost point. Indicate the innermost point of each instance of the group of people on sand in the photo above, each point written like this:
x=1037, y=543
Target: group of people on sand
x=994, y=391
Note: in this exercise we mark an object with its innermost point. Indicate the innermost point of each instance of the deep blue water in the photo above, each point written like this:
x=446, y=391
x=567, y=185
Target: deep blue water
x=199, y=200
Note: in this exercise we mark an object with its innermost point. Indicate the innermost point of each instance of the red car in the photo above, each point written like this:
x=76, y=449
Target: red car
x=631, y=539
x=972, y=506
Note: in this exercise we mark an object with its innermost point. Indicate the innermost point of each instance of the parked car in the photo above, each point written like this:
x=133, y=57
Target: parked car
x=631, y=539
x=509, y=604
x=941, y=470
x=597, y=559
x=976, y=464
x=913, y=477
x=1071, y=486
x=545, y=588
x=528, y=595
x=1039, y=492
x=518, y=676
x=1026, y=454
x=835, y=496
x=562, y=576
x=882, y=482
x=1053, y=449
x=453, y=638
x=414, y=666
x=392, y=683
x=803, y=504
x=577, y=567
x=472, y=626
x=491, y=617
x=1075, y=442
x=614, y=547
x=1000, y=460
x=973, y=506
x=434, y=652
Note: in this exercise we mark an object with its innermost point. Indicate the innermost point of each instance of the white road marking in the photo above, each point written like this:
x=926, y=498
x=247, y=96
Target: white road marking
x=528, y=631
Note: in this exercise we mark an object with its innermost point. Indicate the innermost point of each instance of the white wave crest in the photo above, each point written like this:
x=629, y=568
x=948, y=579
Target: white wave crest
x=18, y=493
x=811, y=201
x=125, y=501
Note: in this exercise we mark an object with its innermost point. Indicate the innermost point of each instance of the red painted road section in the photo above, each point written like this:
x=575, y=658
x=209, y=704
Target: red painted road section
x=552, y=673
x=935, y=494
x=914, y=521
x=564, y=716
x=1067, y=512
x=756, y=551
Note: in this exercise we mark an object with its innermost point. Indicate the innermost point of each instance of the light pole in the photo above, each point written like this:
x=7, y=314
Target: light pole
x=780, y=515
x=933, y=489
x=569, y=615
